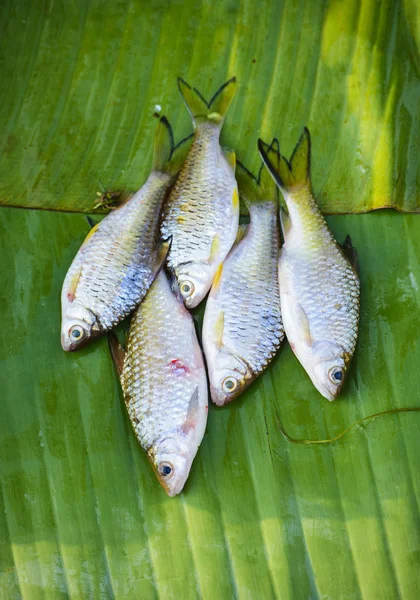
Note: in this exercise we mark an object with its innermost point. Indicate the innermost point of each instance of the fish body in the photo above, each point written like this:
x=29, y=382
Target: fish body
x=120, y=257
x=319, y=287
x=165, y=385
x=242, y=327
x=202, y=213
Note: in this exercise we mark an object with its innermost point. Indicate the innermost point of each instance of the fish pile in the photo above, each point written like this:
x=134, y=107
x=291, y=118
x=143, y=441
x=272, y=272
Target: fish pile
x=178, y=240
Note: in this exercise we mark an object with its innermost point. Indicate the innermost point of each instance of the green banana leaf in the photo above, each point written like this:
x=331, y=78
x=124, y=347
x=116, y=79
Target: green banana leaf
x=82, y=80
x=81, y=513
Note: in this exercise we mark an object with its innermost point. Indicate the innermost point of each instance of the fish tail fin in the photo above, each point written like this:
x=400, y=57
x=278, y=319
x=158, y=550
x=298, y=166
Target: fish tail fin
x=163, y=146
x=294, y=174
x=167, y=157
x=201, y=110
x=261, y=187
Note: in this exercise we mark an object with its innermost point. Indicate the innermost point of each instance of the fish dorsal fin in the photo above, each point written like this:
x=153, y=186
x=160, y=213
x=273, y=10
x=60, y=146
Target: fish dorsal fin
x=201, y=110
x=294, y=174
x=350, y=253
x=193, y=412
x=256, y=188
x=117, y=352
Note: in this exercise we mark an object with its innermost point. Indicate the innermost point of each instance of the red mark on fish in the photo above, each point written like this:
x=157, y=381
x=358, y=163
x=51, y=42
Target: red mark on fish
x=178, y=368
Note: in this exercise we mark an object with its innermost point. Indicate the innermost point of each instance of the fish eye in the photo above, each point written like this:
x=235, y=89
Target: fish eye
x=229, y=384
x=166, y=469
x=77, y=333
x=336, y=375
x=187, y=288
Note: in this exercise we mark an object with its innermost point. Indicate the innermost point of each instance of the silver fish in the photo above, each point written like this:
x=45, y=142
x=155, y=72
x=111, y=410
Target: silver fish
x=164, y=383
x=202, y=213
x=120, y=257
x=242, y=328
x=319, y=287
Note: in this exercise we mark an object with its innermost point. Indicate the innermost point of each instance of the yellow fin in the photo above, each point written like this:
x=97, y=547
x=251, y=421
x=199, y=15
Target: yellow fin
x=201, y=110
x=215, y=248
x=71, y=290
x=242, y=229
x=235, y=200
x=303, y=321
x=293, y=174
x=230, y=156
x=217, y=277
x=90, y=234
x=219, y=327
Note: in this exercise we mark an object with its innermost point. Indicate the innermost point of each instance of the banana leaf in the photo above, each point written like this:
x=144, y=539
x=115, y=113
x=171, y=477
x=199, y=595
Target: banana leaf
x=81, y=513
x=81, y=82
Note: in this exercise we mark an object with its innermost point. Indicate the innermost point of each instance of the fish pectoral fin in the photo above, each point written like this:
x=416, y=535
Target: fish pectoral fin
x=192, y=413
x=117, y=352
x=161, y=255
x=219, y=327
x=214, y=249
x=230, y=156
x=303, y=325
x=350, y=253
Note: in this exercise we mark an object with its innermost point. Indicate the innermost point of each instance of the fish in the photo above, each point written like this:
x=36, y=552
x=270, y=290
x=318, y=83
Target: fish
x=164, y=383
x=121, y=255
x=319, y=285
x=242, y=327
x=202, y=213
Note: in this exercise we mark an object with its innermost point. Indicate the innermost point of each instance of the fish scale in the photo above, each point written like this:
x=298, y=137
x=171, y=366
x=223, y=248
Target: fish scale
x=319, y=287
x=121, y=255
x=128, y=238
x=323, y=280
x=202, y=212
x=247, y=294
x=197, y=209
x=163, y=366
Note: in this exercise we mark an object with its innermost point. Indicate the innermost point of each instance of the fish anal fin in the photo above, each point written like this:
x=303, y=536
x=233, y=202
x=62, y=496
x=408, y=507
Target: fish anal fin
x=161, y=254
x=117, y=352
x=192, y=413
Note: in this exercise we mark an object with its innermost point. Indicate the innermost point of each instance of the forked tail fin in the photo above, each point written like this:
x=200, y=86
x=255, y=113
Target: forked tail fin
x=261, y=187
x=167, y=157
x=201, y=110
x=294, y=174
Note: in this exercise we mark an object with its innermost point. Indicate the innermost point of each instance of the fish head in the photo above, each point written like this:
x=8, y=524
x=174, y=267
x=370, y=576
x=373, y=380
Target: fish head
x=194, y=280
x=329, y=369
x=171, y=460
x=78, y=326
x=229, y=375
